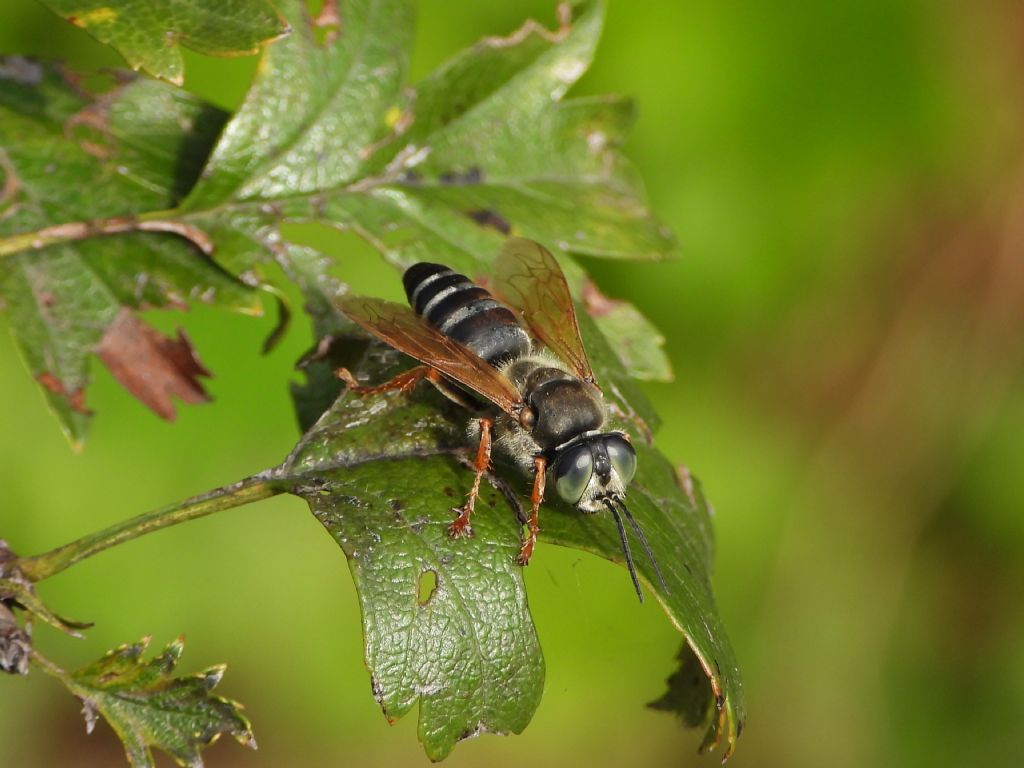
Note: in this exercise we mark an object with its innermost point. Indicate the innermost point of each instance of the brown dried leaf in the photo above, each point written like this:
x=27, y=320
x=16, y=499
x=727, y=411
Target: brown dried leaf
x=153, y=367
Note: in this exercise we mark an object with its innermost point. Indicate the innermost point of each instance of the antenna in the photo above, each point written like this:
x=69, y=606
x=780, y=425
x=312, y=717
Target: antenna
x=643, y=541
x=625, y=547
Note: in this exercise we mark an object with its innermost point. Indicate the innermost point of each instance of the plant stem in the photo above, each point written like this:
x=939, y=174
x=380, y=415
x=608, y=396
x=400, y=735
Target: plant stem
x=49, y=667
x=251, y=489
x=156, y=221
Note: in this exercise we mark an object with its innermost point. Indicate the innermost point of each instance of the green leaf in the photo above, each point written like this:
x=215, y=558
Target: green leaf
x=67, y=155
x=147, y=707
x=485, y=146
x=149, y=35
x=488, y=140
x=444, y=625
x=302, y=131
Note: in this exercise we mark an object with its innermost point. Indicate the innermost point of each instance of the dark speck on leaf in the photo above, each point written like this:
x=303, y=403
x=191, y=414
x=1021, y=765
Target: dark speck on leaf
x=448, y=491
x=397, y=504
x=485, y=217
x=411, y=177
x=452, y=178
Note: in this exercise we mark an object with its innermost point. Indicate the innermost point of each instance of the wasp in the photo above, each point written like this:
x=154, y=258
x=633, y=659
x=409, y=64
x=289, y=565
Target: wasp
x=514, y=358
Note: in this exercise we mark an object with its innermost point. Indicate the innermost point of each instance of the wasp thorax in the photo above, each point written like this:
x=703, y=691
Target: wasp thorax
x=565, y=408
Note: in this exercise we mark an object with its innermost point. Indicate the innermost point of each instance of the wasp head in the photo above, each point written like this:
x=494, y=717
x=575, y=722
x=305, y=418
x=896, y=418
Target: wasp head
x=592, y=472
x=594, y=467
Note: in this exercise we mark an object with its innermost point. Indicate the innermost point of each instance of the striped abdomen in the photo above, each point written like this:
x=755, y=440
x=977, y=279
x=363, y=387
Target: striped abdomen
x=464, y=311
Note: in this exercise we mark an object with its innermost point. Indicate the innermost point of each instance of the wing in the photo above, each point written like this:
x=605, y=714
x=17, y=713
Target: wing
x=399, y=327
x=528, y=279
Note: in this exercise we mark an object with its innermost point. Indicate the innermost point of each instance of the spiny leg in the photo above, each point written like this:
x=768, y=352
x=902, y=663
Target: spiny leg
x=461, y=526
x=540, y=466
x=403, y=382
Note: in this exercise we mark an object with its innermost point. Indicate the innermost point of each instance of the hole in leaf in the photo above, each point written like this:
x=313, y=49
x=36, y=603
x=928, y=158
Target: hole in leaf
x=426, y=586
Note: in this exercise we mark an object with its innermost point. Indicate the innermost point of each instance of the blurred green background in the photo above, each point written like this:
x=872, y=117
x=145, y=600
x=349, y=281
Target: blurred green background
x=845, y=321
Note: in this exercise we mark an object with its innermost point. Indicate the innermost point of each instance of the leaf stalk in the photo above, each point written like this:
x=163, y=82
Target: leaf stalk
x=40, y=567
x=156, y=221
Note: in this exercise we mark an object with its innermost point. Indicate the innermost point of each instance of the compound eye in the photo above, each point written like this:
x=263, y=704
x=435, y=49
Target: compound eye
x=572, y=473
x=622, y=456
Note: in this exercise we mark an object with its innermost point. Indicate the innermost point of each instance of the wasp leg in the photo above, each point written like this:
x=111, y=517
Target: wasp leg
x=403, y=382
x=540, y=466
x=461, y=526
